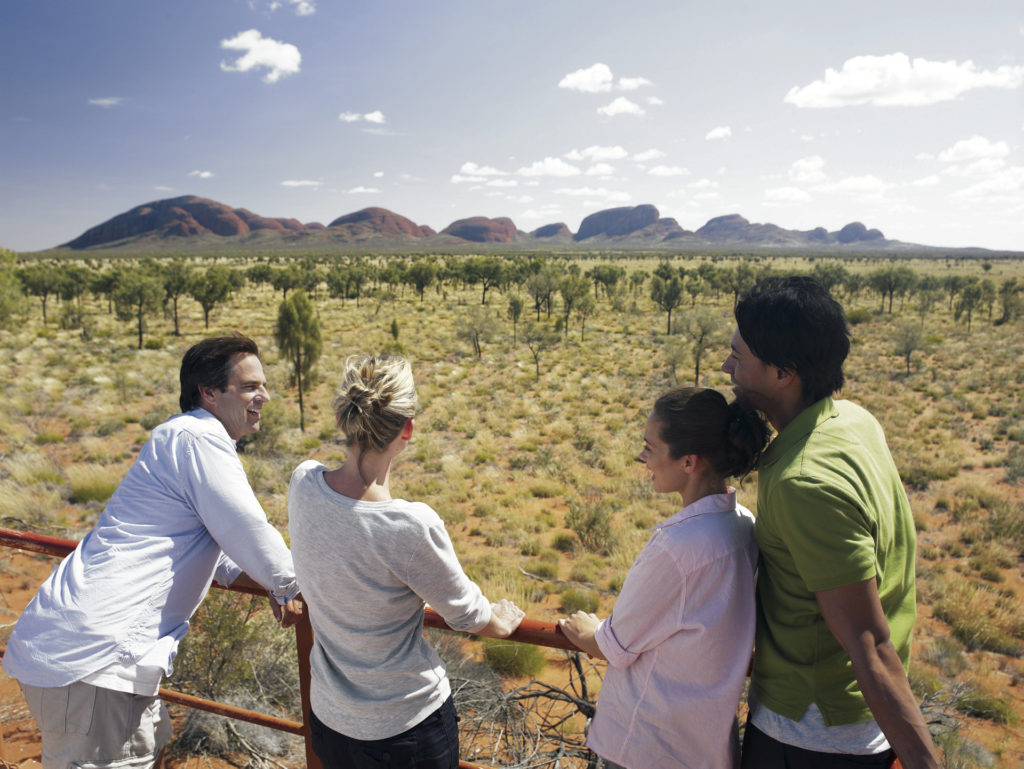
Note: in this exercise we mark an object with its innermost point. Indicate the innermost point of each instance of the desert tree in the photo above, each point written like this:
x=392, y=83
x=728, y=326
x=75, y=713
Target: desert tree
x=104, y=283
x=261, y=274
x=697, y=333
x=572, y=288
x=541, y=286
x=12, y=297
x=695, y=286
x=476, y=326
x=909, y=339
x=287, y=279
x=1010, y=300
x=297, y=333
x=953, y=284
x=73, y=280
x=988, y=295
x=539, y=337
x=515, y=312
x=339, y=281
x=883, y=280
x=488, y=271
x=831, y=275
x=968, y=300
x=928, y=294
x=740, y=278
x=137, y=295
x=585, y=307
x=210, y=288
x=637, y=278
x=668, y=295
x=175, y=277
x=421, y=274
x=41, y=281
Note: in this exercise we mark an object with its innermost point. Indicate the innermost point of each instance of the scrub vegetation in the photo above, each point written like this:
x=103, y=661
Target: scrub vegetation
x=535, y=375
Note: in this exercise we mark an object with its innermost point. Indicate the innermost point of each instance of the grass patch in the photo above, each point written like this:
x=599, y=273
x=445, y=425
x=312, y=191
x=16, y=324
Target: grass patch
x=514, y=659
x=93, y=483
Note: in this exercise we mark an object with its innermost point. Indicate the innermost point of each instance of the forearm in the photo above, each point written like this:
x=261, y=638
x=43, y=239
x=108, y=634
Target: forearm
x=884, y=683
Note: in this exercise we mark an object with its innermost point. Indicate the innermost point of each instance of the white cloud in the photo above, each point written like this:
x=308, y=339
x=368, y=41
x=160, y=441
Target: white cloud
x=974, y=148
x=719, y=132
x=620, y=106
x=669, y=171
x=280, y=59
x=600, y=169
x=162, y=188
x=702, y=184
x=362, y=190
x=549, y=167
x=596, y=152
x=927, y=181
x=1007, y=185
x=786, y=195
x=867, y=184
x=593, y=79
x=648, y=155
x=502, y=183
x=601, y=193
x=304, y=7
x=808, y=170
x=895, y=80
x=107, y=101
x=354, y=117
x=654, y=101
x=201, y=174
x=632, y=83
x=472, y=169
x=300, y=183
x=980, y=167
x=378, y=174
x=546, y=212
x=460, y=179
x=924, y=156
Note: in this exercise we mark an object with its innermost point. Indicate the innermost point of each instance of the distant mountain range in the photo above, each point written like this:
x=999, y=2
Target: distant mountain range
x=191, y=221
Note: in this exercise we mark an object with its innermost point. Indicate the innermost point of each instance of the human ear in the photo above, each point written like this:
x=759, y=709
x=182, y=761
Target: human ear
x=406, y=433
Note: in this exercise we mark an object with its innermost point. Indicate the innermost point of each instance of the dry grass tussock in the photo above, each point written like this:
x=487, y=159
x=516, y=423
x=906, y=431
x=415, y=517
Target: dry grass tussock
x=534, y=473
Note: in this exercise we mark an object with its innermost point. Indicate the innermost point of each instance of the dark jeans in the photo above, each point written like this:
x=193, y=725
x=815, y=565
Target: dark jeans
x=763, y=752
x=431, y=744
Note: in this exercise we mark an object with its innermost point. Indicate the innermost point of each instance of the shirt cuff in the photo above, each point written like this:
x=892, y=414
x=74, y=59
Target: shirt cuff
x=613, y=651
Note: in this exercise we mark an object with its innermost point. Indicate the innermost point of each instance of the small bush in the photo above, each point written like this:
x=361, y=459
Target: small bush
x=1015, y=464
x=513, y=659
x=92, y=483
x=978, y=703
x=154, y=343
x=546, y=489
x=563, y=542
x=574, y=600
x=858, y=316
x=151, y=419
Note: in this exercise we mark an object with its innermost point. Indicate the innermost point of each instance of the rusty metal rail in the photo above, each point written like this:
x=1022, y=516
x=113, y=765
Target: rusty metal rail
x=530, y=631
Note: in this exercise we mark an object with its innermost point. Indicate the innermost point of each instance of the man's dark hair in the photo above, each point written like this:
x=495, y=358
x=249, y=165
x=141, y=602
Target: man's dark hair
x=794, y=323
x=208, y=364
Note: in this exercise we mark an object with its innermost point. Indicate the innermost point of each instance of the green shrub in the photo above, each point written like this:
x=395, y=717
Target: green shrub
x=154, y=343
x=592, y=523
x=858, y=316
x=514, y=659
x=566, y=543
x=92, y=483
x=978, y=703
x=574, y=600
x=151, y=419
x=1015, y=464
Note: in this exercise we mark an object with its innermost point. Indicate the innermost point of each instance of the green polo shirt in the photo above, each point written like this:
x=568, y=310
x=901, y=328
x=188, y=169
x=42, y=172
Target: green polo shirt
x=831, y=511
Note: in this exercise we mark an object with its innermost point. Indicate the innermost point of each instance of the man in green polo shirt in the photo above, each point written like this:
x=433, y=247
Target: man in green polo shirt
x=835, y=592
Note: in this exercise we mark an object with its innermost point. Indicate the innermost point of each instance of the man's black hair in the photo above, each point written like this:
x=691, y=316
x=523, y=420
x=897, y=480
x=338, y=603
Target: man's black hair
x=208, y=364
x=794, y=323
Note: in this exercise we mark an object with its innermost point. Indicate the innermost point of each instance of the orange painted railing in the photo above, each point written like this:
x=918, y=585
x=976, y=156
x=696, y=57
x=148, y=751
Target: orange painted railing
x=530, y=631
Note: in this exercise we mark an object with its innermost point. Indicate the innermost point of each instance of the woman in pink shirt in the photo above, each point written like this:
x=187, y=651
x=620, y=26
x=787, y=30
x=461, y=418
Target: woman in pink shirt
x=679, y=640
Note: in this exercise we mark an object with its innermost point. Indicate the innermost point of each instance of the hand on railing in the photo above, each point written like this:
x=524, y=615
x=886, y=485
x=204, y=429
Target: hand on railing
x=290, y=613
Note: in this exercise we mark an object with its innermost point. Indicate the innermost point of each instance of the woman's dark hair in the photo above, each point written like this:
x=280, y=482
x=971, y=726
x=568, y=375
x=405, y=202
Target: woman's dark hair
x=694, y=420
x=208, y=364
x=794, y=323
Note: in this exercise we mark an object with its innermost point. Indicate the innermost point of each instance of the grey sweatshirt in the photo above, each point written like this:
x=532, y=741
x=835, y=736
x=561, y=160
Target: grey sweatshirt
x=365, y=570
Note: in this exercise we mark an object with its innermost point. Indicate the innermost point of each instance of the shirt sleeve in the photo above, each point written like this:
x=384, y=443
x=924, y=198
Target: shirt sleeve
x=219, y=491
x=227, y=571
x=829, y=537
x=647, y=611
x=435, y=575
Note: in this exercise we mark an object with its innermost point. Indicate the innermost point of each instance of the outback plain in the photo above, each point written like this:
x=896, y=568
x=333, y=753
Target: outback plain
x=535, y=374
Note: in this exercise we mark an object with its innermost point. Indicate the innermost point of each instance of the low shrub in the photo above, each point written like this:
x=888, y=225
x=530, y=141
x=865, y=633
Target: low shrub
x=514, y=659
x=574, y=600
x=92, y=483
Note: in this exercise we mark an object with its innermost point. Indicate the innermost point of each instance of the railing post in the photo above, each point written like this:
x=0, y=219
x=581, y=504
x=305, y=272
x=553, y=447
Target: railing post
x=303, y=646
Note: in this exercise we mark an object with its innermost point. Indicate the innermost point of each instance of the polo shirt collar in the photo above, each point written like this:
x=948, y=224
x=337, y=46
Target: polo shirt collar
x=802, y=425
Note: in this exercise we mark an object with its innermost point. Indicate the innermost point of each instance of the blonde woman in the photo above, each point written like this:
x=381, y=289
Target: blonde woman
x=679, y=640
x=367, y=563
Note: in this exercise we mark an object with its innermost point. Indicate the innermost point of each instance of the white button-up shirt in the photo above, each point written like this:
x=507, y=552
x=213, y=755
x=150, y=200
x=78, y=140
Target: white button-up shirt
x=183, y=515
x=679, y=643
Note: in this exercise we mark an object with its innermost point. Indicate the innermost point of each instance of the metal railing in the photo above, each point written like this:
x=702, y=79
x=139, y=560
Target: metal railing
x=530, y=631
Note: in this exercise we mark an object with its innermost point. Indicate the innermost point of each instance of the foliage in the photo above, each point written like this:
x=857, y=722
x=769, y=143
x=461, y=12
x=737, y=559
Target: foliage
x=574, y=600
x=137, y=295
x=591, y=520
x=514, y=659
x=297, y=334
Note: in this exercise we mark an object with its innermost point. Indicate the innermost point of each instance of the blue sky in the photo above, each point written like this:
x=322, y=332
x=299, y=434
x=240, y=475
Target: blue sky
x=907, y=116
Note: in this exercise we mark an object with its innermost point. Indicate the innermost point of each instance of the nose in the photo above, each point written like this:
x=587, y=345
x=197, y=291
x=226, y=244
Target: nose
x=725, y=365
x=263, y=394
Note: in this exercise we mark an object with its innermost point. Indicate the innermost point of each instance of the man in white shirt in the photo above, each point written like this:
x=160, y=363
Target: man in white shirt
x=90, y=649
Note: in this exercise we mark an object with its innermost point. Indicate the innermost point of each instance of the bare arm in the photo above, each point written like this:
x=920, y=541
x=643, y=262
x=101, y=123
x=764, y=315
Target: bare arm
x=580, y=628
x=505, y=618
x=854, y=615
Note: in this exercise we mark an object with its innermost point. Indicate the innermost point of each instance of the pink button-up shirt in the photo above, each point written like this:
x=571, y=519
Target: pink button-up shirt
x=679, y=642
